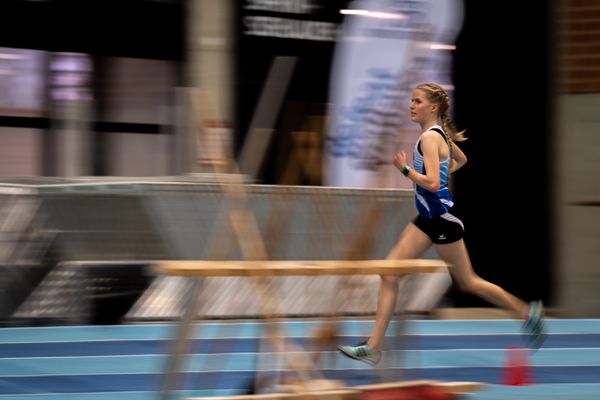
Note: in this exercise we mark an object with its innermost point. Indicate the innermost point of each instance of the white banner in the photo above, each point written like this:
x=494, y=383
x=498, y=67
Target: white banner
x=385, y=48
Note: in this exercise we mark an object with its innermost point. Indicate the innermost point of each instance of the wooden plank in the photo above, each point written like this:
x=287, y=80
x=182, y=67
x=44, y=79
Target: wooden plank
x=462, y=387
x=321, y=395
x=454, y=387
x=298, y=268
x=355, y=391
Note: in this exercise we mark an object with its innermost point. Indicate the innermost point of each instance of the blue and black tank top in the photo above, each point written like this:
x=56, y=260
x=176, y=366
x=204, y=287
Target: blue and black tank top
x=433, y=204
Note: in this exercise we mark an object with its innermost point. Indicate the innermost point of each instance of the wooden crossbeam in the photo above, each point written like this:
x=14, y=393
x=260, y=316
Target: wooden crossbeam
x=321, y=395
x=354, y=392
x=453, y=387
x=297, y=268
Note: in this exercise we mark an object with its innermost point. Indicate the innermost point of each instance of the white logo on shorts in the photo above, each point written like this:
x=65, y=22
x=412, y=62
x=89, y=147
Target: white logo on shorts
x=442, y=237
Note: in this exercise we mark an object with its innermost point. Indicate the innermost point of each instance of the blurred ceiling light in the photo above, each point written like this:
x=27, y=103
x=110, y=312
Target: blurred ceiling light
x=71, y=64
x=441, y=46
x=436, y=46
x=373, y=14
x=11, y=56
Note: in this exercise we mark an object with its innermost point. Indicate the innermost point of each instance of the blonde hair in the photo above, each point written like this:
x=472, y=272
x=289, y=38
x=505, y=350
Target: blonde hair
x=438, y=95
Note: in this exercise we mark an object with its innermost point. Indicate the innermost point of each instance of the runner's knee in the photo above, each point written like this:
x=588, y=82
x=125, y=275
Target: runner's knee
x=472, y=284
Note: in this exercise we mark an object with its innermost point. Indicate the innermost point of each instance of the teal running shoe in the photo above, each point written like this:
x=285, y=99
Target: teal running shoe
x=362, y=352
x=534, y=327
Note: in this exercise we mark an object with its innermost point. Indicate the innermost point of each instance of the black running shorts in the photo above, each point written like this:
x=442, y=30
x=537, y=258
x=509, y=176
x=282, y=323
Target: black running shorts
x=441, y=230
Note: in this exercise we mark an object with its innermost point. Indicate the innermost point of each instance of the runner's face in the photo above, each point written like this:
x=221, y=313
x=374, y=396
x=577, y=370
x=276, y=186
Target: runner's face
x=421, y=109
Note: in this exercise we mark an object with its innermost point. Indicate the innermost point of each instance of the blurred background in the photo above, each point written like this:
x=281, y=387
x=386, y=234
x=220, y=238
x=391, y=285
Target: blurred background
x=113, y=116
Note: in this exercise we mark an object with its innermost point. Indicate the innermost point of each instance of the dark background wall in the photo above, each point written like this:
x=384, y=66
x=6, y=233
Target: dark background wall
x=125, y=28
x=254, y=54
x=503, y=77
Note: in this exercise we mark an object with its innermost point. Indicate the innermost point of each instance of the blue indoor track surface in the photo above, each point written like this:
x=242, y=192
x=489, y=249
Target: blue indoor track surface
x=128, y=362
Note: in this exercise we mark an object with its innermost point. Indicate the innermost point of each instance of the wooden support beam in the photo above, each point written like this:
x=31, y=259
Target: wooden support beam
x=321, y=395
x=453, y=387
x=297, y=268
x=354, y=392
